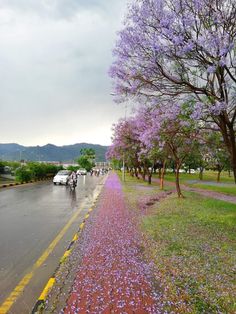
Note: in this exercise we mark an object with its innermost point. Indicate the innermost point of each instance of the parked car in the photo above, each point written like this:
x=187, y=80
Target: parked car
x=62, y=177
x=81, y=171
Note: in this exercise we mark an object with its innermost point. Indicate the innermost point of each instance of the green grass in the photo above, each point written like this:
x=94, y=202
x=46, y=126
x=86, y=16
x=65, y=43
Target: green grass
x=195, y=252
x=192, y=242
x=208, y=176
x=230, y=190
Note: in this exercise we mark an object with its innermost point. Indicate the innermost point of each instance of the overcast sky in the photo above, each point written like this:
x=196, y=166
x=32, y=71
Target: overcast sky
x=54, y=58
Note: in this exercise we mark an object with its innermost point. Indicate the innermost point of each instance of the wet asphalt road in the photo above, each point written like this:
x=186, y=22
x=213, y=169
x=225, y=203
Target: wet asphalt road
x=31, y=216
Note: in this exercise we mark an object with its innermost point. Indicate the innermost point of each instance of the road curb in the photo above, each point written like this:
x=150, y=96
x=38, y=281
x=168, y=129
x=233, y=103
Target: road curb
x=24, y=183
x=40, y=304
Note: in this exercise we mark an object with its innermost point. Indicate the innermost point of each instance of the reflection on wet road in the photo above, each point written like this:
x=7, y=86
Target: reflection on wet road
x=31, y=216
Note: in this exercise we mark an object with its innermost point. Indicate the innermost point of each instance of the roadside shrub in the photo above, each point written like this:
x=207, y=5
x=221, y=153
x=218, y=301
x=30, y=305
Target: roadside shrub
x=43, y=170
x=23, y=174
x=1, y=167
x=73, y=168
x=38, y=170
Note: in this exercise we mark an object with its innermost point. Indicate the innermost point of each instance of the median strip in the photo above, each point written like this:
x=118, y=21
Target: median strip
x=6, y=185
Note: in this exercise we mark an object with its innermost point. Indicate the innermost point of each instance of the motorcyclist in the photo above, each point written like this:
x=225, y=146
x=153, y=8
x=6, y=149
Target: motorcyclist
x=73, y=178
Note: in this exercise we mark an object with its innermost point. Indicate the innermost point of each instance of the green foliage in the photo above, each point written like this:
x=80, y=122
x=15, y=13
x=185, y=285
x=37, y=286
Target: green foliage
x=42, y=170
x=116, y=164
x=89, y=153
x=84, y=162
x=11, y=164
x=73, y=168
x=23, y=174
x=36, y=171
x=1, y=167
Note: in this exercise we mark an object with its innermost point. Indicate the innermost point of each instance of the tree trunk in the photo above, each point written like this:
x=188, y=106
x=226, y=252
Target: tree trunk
x=162, y=175
x=233, y=154
x=229, y=173
x=218, y=175
x=159, y=173
x=180, y=195
x=234, y=166
x=201, y=173
x=228, y=134
x=144, y=175
x=138, y=172
x=150, y=178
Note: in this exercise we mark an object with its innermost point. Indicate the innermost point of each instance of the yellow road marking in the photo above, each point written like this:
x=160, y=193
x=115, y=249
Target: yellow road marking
x=66, y=254
x=91, y=209
x=6, y=305
x=86, y=217
x=46, y=290
x=76, y=237
x=81, y=226
x=14, y=295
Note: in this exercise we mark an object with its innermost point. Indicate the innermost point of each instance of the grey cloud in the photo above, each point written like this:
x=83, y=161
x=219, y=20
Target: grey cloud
x=53, y=75
x=60, y=8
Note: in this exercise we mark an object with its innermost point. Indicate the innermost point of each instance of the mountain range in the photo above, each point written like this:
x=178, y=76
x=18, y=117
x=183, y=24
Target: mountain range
x=49, y=152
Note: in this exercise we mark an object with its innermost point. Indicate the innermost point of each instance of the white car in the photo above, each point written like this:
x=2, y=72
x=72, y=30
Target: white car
x=62, y=177
x=81, y=171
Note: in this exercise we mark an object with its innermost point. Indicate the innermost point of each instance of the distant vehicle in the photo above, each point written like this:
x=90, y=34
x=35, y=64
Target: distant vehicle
x=62, y=177
x=81, y=171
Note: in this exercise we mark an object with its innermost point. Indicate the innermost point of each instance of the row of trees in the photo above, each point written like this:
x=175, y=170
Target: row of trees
x=177, y=60
x=149, y=140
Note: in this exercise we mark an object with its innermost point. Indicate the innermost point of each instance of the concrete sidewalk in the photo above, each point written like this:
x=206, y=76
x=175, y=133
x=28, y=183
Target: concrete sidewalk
x=106, y=272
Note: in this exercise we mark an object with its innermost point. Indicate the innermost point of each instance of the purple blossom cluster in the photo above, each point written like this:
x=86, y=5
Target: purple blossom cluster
x=175, y=51
x=157, y=34
x=148, y=133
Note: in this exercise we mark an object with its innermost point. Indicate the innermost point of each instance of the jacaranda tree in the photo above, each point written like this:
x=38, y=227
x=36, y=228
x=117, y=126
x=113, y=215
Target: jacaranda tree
x=173, y=133
x=181, y=49
x=125, y=143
